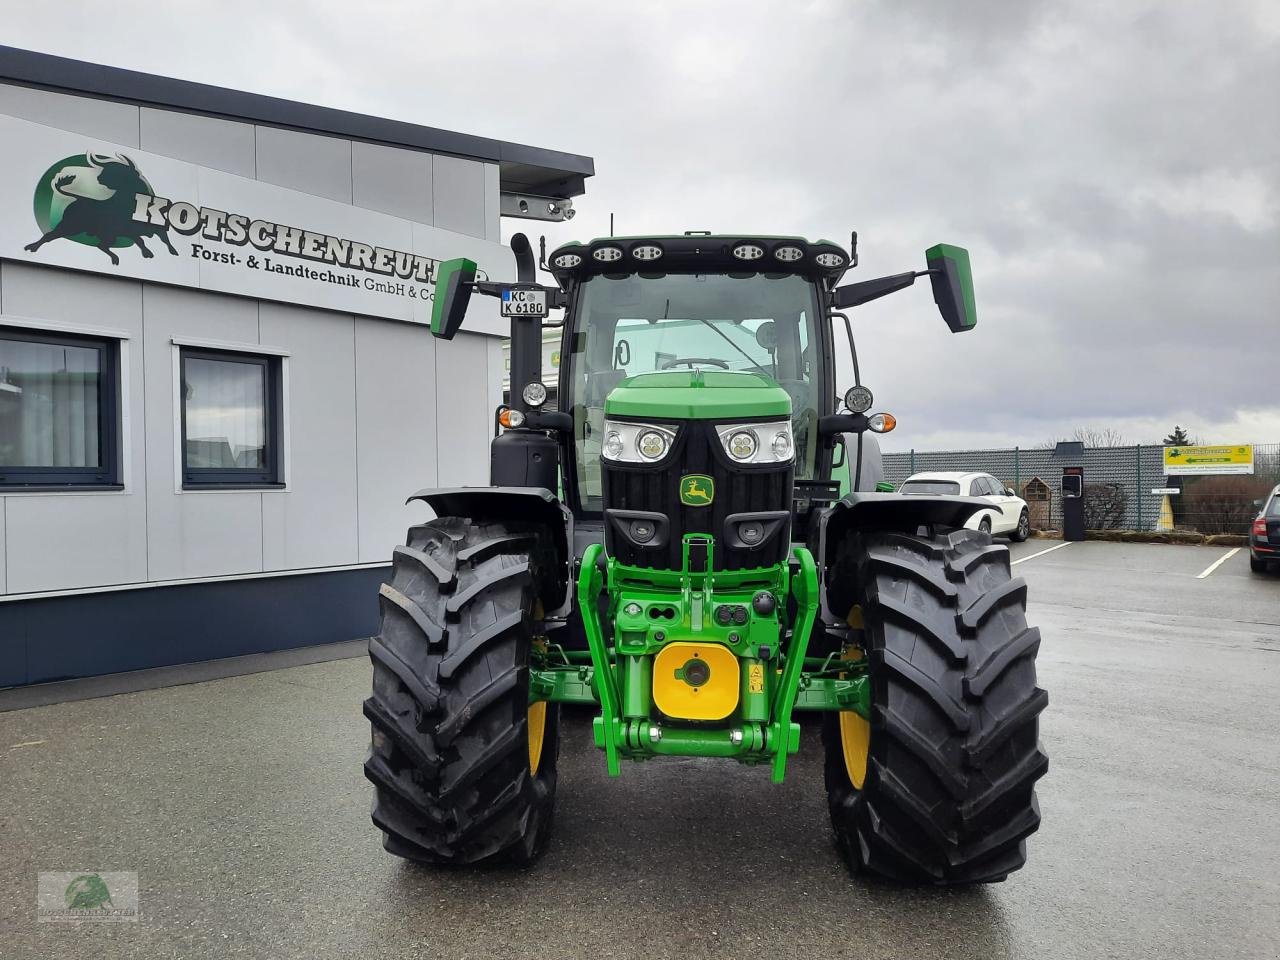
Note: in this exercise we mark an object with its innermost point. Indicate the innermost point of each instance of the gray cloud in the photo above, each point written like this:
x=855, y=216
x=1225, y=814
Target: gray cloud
x=1114, y=168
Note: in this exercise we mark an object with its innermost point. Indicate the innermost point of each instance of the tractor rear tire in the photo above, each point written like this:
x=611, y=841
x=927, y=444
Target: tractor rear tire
x=949, y=761
x=464, y=768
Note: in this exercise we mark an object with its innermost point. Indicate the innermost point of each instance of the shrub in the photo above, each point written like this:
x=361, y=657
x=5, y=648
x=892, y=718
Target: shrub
x=1221, y=504
x=1105, y=506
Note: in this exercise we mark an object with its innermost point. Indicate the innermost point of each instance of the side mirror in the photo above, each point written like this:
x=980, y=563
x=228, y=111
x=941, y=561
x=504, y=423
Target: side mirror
x=1257, y=504
x=453, y=293
x=952, y=280
x=1010, y=492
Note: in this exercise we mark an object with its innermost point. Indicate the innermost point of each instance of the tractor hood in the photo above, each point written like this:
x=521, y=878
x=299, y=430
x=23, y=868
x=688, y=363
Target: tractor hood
x=698, y=395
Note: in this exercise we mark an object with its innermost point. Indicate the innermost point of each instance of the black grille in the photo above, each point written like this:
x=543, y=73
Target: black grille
x=656, y=489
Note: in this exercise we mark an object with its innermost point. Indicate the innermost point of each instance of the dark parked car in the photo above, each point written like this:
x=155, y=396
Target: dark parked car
x=1264, y=537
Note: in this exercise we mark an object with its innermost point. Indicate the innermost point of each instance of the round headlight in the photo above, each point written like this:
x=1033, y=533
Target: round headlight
x=512, y=417
x=652, y=445
x=858, y=399
x=566, y=260
x=782, y=445
x=535, y=393
x=607, y=254
x=788, y=254
x=742, y=445
x=612, y=446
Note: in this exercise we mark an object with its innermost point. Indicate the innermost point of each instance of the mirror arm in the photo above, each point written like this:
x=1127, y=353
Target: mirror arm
x=856, y=294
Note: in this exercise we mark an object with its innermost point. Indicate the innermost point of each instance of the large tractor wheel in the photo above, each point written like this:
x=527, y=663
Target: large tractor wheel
x=464, y=767
x=939, y=786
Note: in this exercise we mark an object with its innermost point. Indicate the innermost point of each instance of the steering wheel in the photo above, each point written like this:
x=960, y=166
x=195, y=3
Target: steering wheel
x=690, y=361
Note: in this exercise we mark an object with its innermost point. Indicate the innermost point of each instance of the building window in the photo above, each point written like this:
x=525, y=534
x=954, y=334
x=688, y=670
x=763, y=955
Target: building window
x=58, y=409
x=230, y=419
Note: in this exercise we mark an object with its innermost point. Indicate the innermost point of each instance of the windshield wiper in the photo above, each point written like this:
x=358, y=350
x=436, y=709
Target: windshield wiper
x=750, y=359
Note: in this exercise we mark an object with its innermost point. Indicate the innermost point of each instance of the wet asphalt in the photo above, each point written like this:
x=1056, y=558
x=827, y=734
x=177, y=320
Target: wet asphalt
x=241, y=805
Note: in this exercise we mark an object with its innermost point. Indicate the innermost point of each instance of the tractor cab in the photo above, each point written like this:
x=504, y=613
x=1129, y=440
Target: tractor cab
x=729, y=309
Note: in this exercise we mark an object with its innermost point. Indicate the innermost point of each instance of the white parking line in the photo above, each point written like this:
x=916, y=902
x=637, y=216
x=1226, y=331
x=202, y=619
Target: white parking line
x=1219, y=562
x=1065, y=543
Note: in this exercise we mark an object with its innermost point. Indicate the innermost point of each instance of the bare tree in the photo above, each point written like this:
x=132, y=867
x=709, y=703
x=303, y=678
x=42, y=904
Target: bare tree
x=1092, y=437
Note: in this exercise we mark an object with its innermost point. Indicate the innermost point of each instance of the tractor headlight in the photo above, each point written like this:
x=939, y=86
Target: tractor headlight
x=636, y=442
x=757, y=442
x=742, y=445
x=652, y=445
x=534, y=393
x=612, y=447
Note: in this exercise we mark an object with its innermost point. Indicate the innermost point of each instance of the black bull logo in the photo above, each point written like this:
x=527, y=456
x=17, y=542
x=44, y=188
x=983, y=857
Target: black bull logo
x=110, y=220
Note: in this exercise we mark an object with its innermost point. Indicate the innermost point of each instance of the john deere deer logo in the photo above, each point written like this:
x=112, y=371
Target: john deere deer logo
x=90, y=198
x=697, y=490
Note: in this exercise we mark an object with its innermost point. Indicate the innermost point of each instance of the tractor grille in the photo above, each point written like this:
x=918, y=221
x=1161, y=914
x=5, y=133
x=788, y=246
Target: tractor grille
x=738, y=489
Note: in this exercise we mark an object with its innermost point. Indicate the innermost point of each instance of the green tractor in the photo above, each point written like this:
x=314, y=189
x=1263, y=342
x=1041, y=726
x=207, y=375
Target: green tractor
x=697, y=545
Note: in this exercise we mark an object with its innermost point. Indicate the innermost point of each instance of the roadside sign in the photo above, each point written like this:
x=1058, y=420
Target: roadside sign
x=1188, y=461
x=1165, y=491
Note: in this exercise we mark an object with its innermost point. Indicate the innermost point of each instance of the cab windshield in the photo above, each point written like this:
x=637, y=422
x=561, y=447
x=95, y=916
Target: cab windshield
x=629, y=324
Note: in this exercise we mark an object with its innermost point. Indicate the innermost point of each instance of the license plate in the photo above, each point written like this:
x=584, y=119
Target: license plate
x=524, y=303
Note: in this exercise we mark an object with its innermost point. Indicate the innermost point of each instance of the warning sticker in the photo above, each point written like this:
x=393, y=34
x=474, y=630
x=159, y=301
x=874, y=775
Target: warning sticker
x=755, y=678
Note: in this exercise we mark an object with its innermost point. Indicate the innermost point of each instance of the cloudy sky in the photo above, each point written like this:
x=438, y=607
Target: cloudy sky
x=1113, y=167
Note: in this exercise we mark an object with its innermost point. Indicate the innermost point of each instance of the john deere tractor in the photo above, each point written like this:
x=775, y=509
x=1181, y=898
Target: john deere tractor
x=696, y=543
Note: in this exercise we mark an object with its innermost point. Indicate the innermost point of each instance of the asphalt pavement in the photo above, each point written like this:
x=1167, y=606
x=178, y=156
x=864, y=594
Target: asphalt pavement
x=241, y=806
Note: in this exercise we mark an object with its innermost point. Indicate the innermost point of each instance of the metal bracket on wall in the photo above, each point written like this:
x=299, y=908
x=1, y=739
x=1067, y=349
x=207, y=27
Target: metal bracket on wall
x=526, y=206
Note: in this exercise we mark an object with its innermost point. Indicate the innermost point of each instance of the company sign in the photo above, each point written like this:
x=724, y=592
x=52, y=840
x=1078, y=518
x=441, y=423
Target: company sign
x=1189, y=461
x=71, y=201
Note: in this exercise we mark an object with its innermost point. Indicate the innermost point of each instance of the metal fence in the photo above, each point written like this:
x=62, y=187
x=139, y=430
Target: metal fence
x=1119, y=485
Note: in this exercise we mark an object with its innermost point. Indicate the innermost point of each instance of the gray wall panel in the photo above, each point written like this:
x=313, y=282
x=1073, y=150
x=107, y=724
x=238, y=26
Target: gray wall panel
x=396, y=429
x=62, y=541
x=492, y=203
x=464, y=406
x=306, y=162
x=313, y=524
x=392, y=181
x=192, y=534
x=208, y=141
x=458, y=186
x=101, y=119
x=4, y=549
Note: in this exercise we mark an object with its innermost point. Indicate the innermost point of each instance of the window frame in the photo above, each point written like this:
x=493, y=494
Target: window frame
x=107, y=474
x=268, y=477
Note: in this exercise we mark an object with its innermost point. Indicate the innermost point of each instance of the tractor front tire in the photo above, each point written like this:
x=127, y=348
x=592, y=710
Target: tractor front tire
x=464, y=767
x=939, y=787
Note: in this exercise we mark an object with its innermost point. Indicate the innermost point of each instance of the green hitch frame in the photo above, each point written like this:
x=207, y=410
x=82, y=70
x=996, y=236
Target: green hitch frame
x=804, y=587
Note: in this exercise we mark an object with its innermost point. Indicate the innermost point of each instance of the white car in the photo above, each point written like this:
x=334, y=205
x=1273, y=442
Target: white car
x=1008, y=514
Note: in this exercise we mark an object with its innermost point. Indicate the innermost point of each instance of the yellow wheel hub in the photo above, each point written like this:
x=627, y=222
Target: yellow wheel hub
x=537, y=723
x=855, y=742
x=855, y=730
x=537, y=733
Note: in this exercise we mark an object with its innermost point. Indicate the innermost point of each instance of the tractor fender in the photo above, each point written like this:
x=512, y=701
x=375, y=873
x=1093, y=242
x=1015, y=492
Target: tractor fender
x=530, y=505
x=885, y=511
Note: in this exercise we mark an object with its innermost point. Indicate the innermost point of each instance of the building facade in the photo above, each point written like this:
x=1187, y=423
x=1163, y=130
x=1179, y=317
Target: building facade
x=217, y=388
